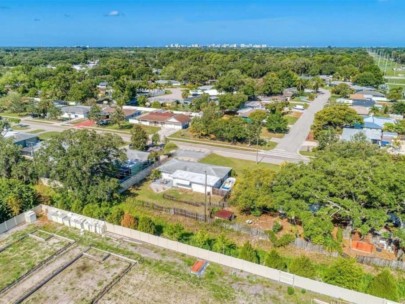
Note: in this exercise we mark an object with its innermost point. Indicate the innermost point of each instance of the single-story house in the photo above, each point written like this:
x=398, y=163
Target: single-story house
x=72, y=112
x=29, y=143
x=372, y=122
x=194, y=176
x=245, y=112
x=164, y=119
x=289, y=93
x=375, y=136
x=361, y=110
x=23, y=139
x=174, y=83
x=136, y=162
x=129, y=113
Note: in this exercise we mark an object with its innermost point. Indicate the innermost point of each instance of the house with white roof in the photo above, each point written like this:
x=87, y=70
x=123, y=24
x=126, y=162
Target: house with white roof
x=194, y=176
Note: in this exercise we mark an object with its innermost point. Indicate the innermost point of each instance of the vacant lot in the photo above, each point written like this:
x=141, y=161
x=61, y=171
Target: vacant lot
x=161, y=276
x=24, y=255
x=80, y=282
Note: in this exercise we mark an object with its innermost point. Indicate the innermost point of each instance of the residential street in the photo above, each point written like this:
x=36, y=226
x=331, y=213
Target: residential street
x=287, y=149
x=293, y=141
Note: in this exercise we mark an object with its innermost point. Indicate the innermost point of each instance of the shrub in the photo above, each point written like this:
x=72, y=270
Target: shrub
x=128, y=221
x=303, y=266
x=248, y=253
x=116, y=215
x=147, y=225
x=345, y=273
x=384, y=285
x=277, y=227
x=274, y=260
x=290, y=290
x=283, y=241
x=339, y=235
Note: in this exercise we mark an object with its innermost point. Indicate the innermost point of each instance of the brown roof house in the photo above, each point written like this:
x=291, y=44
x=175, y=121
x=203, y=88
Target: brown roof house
x=164, y=119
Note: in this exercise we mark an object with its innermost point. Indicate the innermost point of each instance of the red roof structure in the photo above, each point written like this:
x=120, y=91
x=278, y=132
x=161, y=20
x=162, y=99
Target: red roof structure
x=199, y=267
x=224, y=215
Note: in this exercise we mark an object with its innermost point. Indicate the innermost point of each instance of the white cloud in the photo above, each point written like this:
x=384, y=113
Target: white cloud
x=114, y=13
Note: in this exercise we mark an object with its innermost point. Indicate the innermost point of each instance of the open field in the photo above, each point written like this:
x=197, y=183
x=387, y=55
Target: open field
x=24, y=255
x=160, y=276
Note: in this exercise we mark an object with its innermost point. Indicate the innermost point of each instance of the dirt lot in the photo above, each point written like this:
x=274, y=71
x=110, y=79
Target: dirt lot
x=23, y=255
x=80, y=282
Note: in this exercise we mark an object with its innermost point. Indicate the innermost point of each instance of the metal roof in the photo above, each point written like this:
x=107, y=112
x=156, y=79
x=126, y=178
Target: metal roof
x=173, y=165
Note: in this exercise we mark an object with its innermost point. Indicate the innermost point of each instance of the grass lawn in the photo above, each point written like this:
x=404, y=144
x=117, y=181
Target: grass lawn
x=307, y=153
x=146, y=194
x=48, y=135
x=291, y=119
x=238, y=165
x=269, y=135
x=186, y=136
x=18, y=128
x=36, y=131
x=13, y=115
x=126, y=128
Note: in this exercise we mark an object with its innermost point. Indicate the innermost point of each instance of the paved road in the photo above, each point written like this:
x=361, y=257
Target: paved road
x=287, y=149
x=297, y=135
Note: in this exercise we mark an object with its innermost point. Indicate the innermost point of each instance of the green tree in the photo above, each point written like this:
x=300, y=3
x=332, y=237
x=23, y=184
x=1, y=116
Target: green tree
x=169, y=148
x=345, y=273
x=118, y=116
x=274, y=260
x=174, y=232
x=271, y=85
x=326, y=138
x=384, y=285
x=396, y=93
x=231, y=81
x=147, y=225
x=115, y=216
x=84, y=162
x=15, y=197
x=142, y=100
x=317, y=83
x=398, y=107
x=12, y=163
x=252, y=192
x=202, y=240
x=303, y=267
x=342, y=89
x=223, y=245
x=335, y=117
x=248, y=253
x=155, y=139
x=231, y=102
x=139, y=138
x=95, y=113
x=277, y=123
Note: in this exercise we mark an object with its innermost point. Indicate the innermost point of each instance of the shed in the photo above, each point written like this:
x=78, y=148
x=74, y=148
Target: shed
x=224, y=215
x=199, y=267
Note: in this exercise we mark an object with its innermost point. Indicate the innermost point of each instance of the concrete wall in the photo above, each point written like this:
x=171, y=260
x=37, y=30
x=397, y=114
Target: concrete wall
x=15, y=221
x=260, y=270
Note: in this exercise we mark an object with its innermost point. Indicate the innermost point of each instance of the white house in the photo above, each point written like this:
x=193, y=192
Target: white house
x=194, y=176
x=164, y=119
x=73, y=112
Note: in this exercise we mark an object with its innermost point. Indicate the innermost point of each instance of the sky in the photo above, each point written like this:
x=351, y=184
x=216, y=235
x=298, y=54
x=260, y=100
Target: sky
x=160, y=22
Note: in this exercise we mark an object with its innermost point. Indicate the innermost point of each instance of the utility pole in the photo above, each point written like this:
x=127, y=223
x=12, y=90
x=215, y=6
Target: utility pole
x=205, y=197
